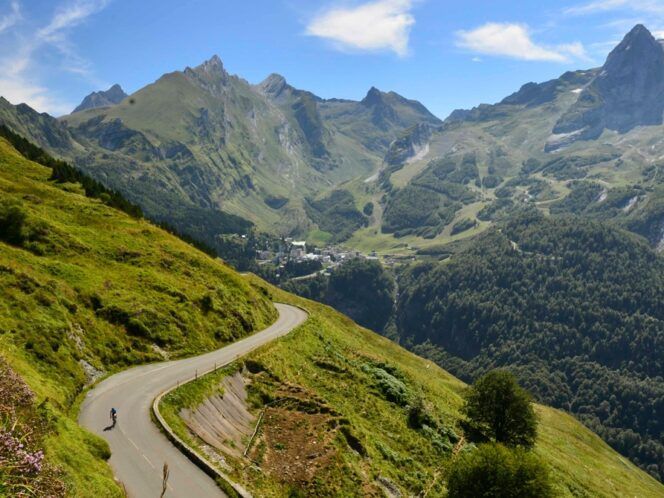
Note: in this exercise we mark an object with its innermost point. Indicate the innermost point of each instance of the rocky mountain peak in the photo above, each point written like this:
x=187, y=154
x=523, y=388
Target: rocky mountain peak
x=274, y=85
x=211, y=75
x=638, y=55
x=638, y=32
x=210, y=69
x=628, y=92
x=213, y=65
x=374, y=97
x=112, y=96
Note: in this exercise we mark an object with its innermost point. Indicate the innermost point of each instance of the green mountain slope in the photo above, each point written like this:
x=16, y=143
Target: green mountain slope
x=203, y=141
x=114, y=95
x=601, y=125
x=87, y=290
x=350, y=393
x=573, y=307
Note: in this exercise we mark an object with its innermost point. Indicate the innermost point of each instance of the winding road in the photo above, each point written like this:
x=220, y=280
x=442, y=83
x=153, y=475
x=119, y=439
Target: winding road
x=139, y=449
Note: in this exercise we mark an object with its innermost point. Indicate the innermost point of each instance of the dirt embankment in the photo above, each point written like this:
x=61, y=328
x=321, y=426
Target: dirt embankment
x=223, y=421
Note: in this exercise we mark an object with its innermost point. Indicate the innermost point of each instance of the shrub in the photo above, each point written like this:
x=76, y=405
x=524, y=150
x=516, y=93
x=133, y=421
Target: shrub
x=392, y=388
x=12, y=221
x=493, y=470
x=501, y=410
x=137, y=328
x=418, y=415
x=463, y=225
x=491, y=181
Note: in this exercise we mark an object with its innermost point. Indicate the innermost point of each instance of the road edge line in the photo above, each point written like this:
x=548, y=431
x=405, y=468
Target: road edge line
x=196, y=458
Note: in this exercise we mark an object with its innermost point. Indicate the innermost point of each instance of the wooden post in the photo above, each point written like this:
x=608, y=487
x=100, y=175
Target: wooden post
x=164, y=482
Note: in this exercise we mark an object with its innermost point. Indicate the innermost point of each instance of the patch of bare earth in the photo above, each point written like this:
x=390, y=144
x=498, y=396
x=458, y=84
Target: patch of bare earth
x=298, y=442
x=296, y=439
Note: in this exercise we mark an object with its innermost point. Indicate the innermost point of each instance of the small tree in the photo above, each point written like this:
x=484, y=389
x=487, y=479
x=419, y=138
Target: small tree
x=494, y=471
x=501, y=410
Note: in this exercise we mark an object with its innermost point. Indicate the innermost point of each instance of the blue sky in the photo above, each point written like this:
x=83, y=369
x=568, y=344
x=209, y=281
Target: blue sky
x=447, y=54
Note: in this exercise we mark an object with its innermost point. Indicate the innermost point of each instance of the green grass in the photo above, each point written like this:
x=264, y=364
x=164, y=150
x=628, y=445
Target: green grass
x=101, y=287
x=581, y=463
x=70, y=296
x=584, y=465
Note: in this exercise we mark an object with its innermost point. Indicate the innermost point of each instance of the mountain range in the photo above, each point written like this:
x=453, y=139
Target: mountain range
x=201, y=143
x=536, y=223
x=589, y=142
x=88, y=290
x=110, y=97
x=209, y=153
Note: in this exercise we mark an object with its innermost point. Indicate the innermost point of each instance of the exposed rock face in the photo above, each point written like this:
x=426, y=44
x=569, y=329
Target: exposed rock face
x=110, y=97
x=274, y=86
x=304, y=107
x=410, y=144
x=382, y=114
x=40, y=128
x=211, y=76
x=534, y=94
x=628, y=92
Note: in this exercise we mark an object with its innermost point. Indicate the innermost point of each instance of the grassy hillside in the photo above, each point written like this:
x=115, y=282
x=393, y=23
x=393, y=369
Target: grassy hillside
x=212, y=140
x=528, y=154
x=87, y=290
x=342, y=425
x=572, y=307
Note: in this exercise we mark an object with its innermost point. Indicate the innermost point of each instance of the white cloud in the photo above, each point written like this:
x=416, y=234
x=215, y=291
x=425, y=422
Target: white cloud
x=12, y=17
x=645, y=6
x=597, y=6
x=19, y=82
x=623, y=15
x=20, y=90
x=514, y=41
x=373, y=26
x=69, y=16
x=575, y=50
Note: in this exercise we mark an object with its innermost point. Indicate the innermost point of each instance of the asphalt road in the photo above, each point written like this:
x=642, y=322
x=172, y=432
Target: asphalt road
x=139, y=449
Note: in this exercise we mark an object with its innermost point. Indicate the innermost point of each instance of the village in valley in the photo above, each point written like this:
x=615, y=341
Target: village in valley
x=310, y=259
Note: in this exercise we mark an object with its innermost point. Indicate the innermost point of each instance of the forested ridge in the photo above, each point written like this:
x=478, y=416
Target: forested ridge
x=572, y=307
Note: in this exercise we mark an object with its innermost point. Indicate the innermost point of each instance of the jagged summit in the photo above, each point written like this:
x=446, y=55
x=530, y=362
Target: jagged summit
x=273, y=85
x=628, y=92
x=639, y=55
x=374, y=97
x=210, y=75
x=211, y=67
x=637, y=32
x=112, y=96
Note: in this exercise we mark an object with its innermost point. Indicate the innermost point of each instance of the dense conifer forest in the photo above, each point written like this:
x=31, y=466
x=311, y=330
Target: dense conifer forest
x=572, y=307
